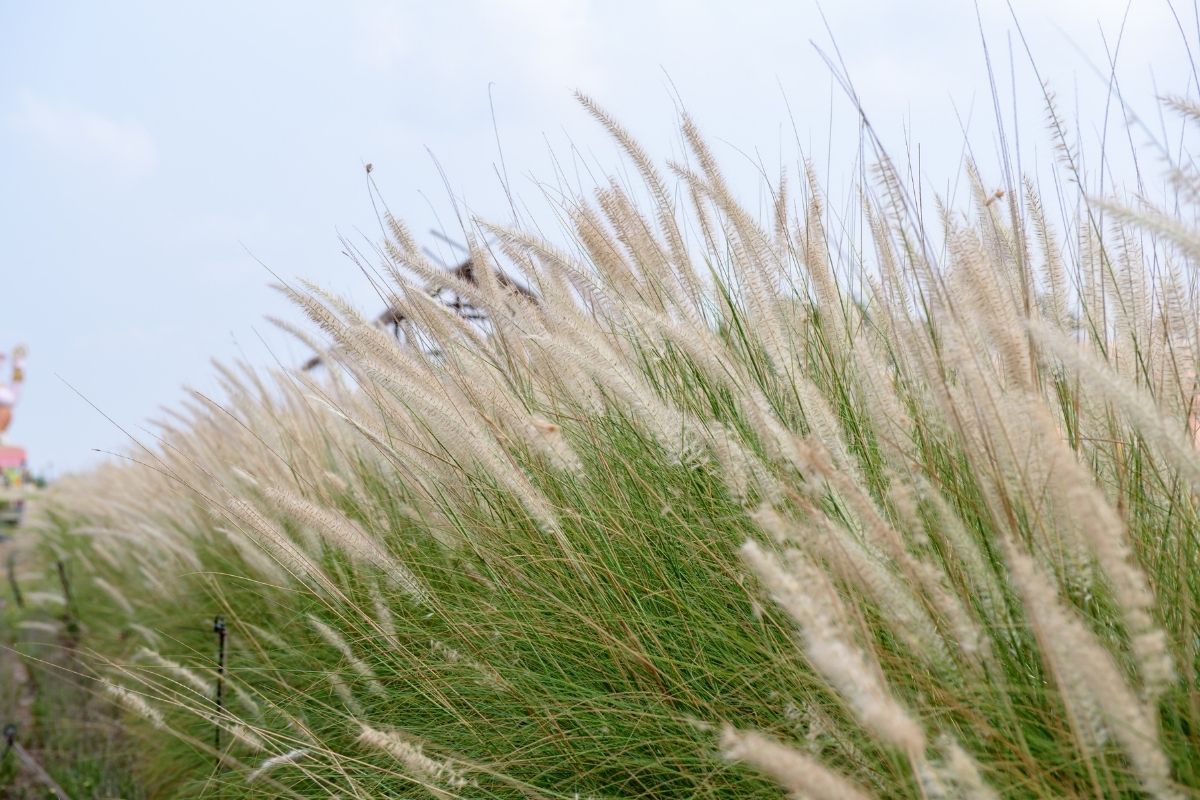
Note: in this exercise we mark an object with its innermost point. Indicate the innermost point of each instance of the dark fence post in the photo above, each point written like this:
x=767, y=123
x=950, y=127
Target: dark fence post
x=66, y=587
x=219, y=630
x=10, y=568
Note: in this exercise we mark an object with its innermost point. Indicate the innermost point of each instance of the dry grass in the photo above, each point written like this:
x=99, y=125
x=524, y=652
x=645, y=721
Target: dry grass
x=914, y=517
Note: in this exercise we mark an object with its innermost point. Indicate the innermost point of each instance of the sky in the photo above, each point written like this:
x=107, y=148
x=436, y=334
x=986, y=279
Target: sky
x=159, y=161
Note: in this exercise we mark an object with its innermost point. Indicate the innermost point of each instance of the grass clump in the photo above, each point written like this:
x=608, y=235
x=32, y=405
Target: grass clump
x=718, y=508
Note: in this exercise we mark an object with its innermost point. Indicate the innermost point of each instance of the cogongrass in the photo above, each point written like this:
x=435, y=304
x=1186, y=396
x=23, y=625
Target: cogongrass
x=722, y=510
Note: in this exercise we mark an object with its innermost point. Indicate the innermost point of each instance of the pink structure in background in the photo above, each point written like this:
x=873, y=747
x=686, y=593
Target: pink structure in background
x=12, y=465
x=14, y=475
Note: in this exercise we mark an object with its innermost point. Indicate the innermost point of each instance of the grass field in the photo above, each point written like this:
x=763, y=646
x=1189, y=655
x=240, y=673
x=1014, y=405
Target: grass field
x=902, y=505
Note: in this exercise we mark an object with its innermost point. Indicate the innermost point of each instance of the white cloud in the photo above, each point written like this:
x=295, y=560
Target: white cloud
x=70, y=132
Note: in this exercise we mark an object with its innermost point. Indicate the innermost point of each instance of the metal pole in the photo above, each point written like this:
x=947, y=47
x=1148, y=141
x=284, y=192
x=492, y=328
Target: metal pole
x=30, y=763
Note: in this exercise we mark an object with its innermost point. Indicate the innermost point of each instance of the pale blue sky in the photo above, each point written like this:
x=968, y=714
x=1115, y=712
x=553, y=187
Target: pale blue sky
x=146, y=146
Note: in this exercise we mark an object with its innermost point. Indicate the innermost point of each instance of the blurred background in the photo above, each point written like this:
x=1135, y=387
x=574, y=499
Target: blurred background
x=157, y=159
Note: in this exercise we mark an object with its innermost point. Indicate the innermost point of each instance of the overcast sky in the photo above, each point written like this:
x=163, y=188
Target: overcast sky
x=150, y=152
